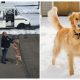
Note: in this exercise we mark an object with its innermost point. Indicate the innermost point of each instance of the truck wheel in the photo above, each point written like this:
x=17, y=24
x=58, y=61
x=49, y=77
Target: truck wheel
x=28, y=26
x=21, y=26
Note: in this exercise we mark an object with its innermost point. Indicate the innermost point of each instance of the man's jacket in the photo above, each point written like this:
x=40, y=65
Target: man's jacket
x=5, y=42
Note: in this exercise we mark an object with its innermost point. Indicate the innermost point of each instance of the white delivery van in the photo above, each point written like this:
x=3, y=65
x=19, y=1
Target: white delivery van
x=10, y=18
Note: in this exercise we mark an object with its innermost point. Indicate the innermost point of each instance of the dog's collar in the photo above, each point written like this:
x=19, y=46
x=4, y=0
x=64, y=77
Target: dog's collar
x=77, y=34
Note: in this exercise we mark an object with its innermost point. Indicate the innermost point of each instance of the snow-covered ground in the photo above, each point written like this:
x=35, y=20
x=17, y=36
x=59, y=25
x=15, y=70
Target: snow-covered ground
x=22, y=31
x=61, y=69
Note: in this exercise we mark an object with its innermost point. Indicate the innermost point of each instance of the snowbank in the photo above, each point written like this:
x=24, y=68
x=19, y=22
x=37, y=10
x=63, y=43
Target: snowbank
x=16, y=32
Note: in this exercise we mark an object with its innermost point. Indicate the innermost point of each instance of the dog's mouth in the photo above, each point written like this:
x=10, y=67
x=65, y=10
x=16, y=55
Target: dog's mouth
x=78, y=25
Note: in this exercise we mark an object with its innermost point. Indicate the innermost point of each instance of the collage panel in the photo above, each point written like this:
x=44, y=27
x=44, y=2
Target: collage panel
x=59, y=40
x=39, y=39
x=19, y=39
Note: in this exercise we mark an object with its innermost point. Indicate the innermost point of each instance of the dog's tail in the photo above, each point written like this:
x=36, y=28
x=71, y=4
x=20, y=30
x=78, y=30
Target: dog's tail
x=53, y=18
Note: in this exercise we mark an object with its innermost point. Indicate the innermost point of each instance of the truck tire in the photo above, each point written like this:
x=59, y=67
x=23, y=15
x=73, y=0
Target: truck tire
x=28, y=27
x=21, y=26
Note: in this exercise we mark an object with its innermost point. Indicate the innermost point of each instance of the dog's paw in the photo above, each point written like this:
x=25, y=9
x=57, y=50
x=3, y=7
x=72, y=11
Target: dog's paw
x=16, y=64
x=53, y=62
x=71, y=73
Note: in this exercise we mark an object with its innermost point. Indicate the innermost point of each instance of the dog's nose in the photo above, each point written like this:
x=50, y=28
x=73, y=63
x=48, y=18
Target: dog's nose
x=78, y=25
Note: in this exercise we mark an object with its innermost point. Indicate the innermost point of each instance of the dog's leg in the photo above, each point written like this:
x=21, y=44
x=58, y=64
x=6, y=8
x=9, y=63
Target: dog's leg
x=17, y=62
x=71, y=61
x=55, y=54
x=20, y=59
x=56, y=50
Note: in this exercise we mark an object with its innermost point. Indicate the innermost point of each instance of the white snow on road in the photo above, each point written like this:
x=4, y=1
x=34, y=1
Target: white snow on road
x=16, y=31
x=61, y=69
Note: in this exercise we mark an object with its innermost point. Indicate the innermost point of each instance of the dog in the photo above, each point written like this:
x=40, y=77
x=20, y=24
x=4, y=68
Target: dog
x=69, y=38
x=16, y=46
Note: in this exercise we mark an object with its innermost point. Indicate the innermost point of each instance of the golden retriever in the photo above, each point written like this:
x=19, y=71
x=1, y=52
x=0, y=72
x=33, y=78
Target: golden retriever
x=16, y=46
x=69, y=38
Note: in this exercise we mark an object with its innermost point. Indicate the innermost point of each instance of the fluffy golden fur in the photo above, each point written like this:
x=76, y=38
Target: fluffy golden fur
x=66, y=37
x=16, y=46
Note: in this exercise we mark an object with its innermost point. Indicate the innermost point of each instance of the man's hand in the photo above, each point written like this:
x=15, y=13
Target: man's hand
x=2, y=48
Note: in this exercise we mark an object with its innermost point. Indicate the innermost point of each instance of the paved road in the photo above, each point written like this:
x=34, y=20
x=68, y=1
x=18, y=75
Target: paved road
x=30, y=55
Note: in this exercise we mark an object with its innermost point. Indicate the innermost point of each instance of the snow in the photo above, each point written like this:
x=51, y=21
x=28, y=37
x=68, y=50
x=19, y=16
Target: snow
x=28, y=9
x=18, y=3
x=61, y=68
x=33, y=18
x=17, y=32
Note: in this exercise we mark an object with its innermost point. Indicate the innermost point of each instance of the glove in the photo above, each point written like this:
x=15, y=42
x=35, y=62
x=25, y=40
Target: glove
x=2, y=48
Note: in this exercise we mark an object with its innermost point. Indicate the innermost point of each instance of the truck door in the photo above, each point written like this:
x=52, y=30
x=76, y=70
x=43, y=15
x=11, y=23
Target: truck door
x=10, y=18
x=2, y=20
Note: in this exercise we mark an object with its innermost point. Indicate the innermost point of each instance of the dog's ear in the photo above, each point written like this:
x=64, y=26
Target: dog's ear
x=71, y=16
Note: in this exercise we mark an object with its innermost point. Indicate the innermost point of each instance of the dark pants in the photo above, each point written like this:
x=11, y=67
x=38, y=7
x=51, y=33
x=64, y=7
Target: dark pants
x=4, y=52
